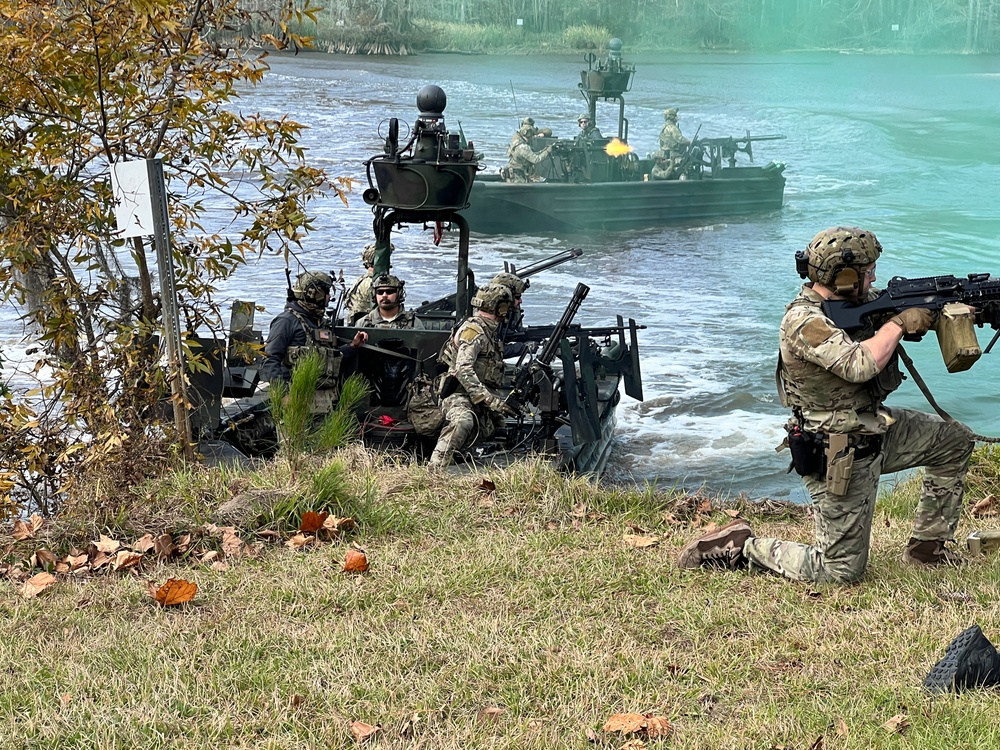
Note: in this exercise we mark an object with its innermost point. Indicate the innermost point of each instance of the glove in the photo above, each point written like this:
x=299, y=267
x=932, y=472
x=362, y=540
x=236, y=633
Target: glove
x=531, y=347
x=501, y=407
x=915, y=321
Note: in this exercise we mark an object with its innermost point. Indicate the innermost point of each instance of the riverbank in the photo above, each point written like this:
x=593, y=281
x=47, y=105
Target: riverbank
x=522, y=613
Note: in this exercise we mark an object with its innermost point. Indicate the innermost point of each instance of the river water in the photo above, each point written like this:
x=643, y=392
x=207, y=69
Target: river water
x=904, y=146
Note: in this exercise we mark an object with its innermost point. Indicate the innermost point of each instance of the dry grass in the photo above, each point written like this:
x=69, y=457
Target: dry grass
x=526, y=599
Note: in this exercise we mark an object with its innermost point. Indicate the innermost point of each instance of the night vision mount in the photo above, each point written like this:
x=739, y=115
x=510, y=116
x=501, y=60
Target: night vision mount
x=428, y=177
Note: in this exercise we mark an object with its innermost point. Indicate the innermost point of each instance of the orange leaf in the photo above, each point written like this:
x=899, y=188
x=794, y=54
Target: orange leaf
x=36, y=585
x=175, y=591
x=299, y=541
x=640, y=542
x=312, y=521
x=362, y=731
x=625, y=723
x=355, y=561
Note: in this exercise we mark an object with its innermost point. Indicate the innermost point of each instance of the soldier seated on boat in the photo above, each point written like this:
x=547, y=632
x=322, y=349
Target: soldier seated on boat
x=359, y=301
x=664, y=166
x=522, y=157
x=588, y=130
x=296, y=332
x=469, y=390
x=388, y=295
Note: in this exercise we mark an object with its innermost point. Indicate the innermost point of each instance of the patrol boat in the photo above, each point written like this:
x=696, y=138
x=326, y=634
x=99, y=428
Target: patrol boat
x=566, y=393
x=602, y=184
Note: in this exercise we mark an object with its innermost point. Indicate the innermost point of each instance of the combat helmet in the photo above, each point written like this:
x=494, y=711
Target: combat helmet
x=584, y=116
x=310, y=290
x=388, y=280
x=528, y=122
x=513, y=282
x=368, y=254
x=836, y=258
x=670, y=113
x=493, y=298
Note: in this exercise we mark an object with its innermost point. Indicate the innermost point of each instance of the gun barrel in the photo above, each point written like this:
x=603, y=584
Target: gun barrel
x=551, y=348
x=544, y=265
x=770, y=137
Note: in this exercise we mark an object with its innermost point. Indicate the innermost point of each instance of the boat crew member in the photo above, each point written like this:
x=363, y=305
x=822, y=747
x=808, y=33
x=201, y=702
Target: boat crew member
x=296, y=332
x=388, y=295
x=841, y=435
x=522, y=157
x=514, y=322
x=671, y=139
x=588, y=130
x=474, y=357
x=359, y=302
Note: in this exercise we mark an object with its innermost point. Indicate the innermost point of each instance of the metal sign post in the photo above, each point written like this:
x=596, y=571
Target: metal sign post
x=141, y=209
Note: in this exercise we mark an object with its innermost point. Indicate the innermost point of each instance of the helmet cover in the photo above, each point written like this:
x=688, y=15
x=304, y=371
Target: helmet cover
x=388, y=280
x=513, y=282
x=837, y=258
x=670, y=113
x=495, y=299
x=310, y=290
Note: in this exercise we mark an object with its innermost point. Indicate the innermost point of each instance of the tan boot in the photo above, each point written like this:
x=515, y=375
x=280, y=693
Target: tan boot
x=721, y=548
x=929, y=553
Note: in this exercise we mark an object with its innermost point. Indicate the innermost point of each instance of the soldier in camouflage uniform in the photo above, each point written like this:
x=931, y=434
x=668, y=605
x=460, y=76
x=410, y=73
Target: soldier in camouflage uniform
x=522, y=158
x=673, y=148
x=388, y=294
x=836, y=384
x=359, y=301
x=514, y=322
x=588, y=130
x=474, y=357
x=296, y=332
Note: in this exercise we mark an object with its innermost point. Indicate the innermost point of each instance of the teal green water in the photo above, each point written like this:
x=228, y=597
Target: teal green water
x=904, y=146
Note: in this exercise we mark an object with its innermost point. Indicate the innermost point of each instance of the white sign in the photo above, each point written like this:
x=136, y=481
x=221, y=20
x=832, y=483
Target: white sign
x=133, y=201
x=895, y=27
x=520, y=22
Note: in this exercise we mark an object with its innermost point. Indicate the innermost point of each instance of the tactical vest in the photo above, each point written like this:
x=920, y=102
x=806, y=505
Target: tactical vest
x=323, y=342
x=488, y=367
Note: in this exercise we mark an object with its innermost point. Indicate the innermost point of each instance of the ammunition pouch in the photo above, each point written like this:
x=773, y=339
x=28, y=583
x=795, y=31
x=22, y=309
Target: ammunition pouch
x=423, y=410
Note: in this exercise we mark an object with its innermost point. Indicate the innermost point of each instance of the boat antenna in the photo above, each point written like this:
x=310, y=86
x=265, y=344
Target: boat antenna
x=512, y=96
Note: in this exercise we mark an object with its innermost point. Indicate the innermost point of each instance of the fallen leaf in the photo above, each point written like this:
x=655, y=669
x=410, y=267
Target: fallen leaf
x=634, y=744
x=126, y=559
x=269, y=534
x=705, y=506
x=355, y=561
x=295, y=700
x=334, y=524
x=312, y=521
x=625, y=723
x=36, y=585
x=182, y=543
x=231, y=543
x=44, y=559
x=841, y=726
x=362, y=731
x=636, y=529
x=732, y=512
x=579, y=511
x=22, y=531
x=657, y=726
x=144, y=544
x=106, y=545
x=174, y=591
x=591, y=735
x=99, y=561
x=640, y=542
x=986, y=507
x=65, y=699
x=898, y=724
x=219, y=566
x=299, y=541
x=164, y=547
x=76, y=561
x=490, y=715
x=817, y=743
x=209, y=557
x=488, y=486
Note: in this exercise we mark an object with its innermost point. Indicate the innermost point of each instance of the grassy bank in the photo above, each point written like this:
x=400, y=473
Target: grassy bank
x=522, y=617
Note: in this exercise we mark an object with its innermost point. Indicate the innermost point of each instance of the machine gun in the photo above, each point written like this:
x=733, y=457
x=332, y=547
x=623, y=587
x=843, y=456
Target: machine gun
x=575, y=330
x=728, y=147
x=447, y=304
x=955, y=333
x=529, y=378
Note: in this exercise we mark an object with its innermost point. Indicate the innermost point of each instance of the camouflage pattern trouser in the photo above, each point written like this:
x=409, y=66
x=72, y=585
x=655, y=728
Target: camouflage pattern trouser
x=844, y=523
x=464, y=423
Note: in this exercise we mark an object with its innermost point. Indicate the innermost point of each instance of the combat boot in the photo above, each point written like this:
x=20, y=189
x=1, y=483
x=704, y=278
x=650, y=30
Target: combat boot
x=970, y=661
x=720, y=548
x=930, y=553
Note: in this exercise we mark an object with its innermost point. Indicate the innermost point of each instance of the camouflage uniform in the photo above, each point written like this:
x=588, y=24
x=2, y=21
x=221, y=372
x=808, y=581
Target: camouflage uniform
x=474, y=356
x=359, y=299
x=522, y=158
x=403, y=319
x=834, y=386
x=671, y=139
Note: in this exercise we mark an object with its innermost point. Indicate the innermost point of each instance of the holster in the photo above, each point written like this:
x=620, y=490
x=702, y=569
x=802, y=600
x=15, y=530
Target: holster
x=839, y=462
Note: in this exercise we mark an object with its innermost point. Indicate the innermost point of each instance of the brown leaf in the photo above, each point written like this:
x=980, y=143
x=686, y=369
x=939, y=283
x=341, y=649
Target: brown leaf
x=898, y=724
x=489, y=715
x=269, y=534
x=841, y=726
x=36, y=585
x=231, y=543
x=219, y=566
x=65, y=699
x=636, y=529
x=591, y=735
x=182, y=543
x=334, y=524
x=99, y=560
x=106, y=545
x=817, y=743
x=144, y=544
x=299, y=541
x=312, y=521
x=634, y=744
x=986, y=507
x=44, y=559
x=22, y=530
x=76, y=561
x=174, y=591
x=164, y=547
x=488, y=486
x=625, y=723
x=355, y=561
x=705, y=506
x=657, y=726
x=640, y=542
x=362, y=731
x=209, y=557
x=126, y=559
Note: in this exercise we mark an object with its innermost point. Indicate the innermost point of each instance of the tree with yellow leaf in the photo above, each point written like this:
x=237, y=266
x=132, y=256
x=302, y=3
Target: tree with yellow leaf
x=85, y=84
